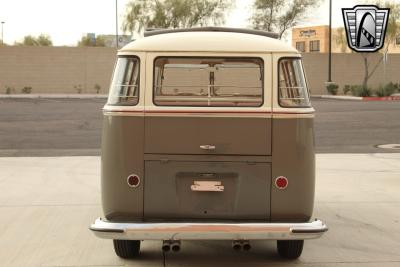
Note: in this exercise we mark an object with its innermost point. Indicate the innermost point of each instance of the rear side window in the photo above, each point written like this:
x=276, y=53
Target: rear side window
x=215, y=82
x=293, y=90
x=125, y=83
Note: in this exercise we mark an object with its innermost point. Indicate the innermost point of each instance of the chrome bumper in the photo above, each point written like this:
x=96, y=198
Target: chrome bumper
x=208, y=231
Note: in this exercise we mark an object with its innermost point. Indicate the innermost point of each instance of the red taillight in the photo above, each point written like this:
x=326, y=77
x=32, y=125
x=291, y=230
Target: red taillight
x=281, y=182
x=133, y=180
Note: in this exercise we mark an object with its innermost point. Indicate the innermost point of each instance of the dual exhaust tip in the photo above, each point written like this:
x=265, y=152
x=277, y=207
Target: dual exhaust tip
x=241, y=245
x=169, y=245
x=175, y=245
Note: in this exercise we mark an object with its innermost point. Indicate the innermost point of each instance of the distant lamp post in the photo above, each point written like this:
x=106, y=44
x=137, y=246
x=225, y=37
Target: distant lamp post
x=2, y=40
x=116, y=23
x=330, y=43
x=330, y=86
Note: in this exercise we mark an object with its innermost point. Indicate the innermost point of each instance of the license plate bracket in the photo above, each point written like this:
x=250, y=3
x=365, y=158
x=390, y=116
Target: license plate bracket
x=207, y=186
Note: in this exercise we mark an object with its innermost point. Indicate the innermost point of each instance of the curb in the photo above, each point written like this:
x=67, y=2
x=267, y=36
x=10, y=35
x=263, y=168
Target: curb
x=338, y=97
x=359, y=98
x=55, y=96
x=385, y=98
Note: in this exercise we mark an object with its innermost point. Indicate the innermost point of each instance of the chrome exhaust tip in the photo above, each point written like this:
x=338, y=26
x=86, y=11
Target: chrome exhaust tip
x=246, y=246
x=166, y=246
x=176, y=246
x=236, y=245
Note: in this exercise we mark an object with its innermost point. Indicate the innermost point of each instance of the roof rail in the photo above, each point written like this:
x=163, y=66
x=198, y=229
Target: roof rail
x=151, y=32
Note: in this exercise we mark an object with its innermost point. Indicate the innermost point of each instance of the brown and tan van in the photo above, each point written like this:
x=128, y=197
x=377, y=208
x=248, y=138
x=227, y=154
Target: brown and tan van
x=208, y=135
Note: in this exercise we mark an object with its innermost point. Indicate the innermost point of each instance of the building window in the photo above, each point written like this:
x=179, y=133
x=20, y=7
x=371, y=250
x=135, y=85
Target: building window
x=314, y=46
x=398, y=40
x=301, y=46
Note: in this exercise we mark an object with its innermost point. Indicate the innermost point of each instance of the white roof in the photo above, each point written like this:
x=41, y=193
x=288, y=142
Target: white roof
x=208, y=42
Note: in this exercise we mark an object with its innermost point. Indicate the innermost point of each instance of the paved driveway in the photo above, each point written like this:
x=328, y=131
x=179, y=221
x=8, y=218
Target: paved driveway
x=356, y=126
x=47, y=203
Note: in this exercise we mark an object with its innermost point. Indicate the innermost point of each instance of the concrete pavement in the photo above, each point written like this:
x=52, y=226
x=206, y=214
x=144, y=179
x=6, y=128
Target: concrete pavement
x=47, y=203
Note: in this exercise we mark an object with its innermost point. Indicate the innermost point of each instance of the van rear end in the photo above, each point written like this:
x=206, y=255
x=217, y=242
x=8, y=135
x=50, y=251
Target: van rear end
x=207, y=145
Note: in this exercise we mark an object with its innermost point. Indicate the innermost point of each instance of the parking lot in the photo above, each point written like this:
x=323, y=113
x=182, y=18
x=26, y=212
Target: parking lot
x=51, y=191
x=62, y=127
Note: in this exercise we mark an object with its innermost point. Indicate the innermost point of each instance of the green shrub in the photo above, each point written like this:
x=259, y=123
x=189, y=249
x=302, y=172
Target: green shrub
x=390, y=88
x=78, y=88
x=9, y=90
x=387, y=90
x=346, y=89
x=380, y=91
x=359, y=90
x=332, y=88
x=97, y=88
x=26, y=90
x=397, y=86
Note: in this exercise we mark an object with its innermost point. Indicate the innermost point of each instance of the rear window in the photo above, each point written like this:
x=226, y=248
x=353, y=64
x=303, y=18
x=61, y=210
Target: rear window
x=216, y=82
x=125, y=83
x=293, y=90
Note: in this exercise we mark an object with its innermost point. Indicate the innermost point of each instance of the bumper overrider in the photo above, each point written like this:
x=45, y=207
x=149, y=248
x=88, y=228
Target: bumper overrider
x=207, y=231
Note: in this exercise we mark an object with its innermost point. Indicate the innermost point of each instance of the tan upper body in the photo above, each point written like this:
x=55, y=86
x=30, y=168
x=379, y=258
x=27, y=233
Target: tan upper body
x=227, y=42
x=210, y=44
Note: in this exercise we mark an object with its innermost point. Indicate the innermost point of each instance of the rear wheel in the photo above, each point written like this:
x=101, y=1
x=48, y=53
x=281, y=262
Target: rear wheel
x=127, y=249
x=290, y=249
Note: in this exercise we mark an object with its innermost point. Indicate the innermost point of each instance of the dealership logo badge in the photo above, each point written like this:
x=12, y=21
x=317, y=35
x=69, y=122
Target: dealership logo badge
x=365, y=27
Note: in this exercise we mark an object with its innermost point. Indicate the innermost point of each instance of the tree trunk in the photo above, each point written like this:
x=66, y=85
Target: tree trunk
x=366, y=74
x=271, y=14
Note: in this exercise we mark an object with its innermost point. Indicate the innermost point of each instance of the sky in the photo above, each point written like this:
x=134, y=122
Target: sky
x=66, y=21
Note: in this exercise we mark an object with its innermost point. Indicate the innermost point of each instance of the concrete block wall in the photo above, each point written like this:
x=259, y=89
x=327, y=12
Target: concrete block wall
x=348, y=68
x=56, y=69
x=60, y=69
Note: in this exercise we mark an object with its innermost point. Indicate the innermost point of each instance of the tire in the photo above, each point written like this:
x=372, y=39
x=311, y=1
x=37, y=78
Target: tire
x=290, y=249
x=127, y=249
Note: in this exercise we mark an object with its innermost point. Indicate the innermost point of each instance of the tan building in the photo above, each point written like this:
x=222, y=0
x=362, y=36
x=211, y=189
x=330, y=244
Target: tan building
x=315, y=39
x=311, y=39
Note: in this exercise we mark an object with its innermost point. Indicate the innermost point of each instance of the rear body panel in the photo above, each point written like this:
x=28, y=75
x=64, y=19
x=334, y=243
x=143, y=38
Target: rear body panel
x=122, y=155
x=293, y=157
x=245, y=194
x=229, y=135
